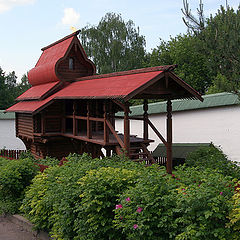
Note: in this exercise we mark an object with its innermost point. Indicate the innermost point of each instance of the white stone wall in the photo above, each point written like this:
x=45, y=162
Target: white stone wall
x=8, y=137
x=220, y=125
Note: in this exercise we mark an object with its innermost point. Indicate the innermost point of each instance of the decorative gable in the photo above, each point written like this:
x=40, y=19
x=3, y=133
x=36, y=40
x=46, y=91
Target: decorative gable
x=64, y=60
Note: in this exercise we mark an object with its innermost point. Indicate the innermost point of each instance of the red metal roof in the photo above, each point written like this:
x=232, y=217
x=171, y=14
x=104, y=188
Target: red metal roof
x=44, y=71
x=37, y=92
x=123, y=85
x=29, y=106
x=106, y=87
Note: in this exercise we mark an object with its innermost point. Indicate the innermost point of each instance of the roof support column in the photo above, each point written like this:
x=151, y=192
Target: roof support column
x=89, y=123
x=74, y=119
x=145, y=120
x=126, y=130
x=169, y=136
x=105, y=117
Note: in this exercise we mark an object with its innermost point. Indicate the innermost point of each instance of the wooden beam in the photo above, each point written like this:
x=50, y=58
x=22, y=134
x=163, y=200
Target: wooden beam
x=145, y=118
x=89, y=123
x=157, y=132
x=121, y=143
x=143, y=87
x=126, y=130
x=105, y=127
x=120, y=104
x=187, y=87
x=63, y=118
x=74, y=120
x=169, y=136
x=43, y=123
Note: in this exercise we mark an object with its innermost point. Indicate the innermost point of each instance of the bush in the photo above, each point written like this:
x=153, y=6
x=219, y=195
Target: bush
x=177, y=207
x=202, y=206
x=100, y=189
x=212, y=157
x=50, y=201
x=15, y=176
x=48, y=161
x=115, y=199
x=234, y=215
x=146, y=210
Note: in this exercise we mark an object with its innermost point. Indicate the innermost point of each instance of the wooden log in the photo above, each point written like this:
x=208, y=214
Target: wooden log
x=145, y=118
x=105, y=127
x=89, y=123
x=157, y=132
x=119, y=140
x=126, y=130
x=169, y=137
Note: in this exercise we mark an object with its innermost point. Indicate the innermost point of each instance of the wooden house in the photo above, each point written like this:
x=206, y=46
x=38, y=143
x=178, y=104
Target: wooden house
x=70, y=108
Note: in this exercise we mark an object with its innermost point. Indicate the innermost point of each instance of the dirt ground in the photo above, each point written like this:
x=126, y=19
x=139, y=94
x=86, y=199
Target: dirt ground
x=11, y=231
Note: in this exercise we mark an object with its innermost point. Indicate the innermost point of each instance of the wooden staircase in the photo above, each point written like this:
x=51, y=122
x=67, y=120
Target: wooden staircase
x=139, y=153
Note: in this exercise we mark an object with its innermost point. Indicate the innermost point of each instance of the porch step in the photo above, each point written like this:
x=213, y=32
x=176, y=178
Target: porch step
x=139, y=153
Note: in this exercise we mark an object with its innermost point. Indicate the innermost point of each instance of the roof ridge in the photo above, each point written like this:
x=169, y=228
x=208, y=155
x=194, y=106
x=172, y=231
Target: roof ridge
x=130, y=72
x=61, y=40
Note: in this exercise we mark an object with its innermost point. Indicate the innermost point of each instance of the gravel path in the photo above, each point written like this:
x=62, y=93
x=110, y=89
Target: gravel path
x=11, y=231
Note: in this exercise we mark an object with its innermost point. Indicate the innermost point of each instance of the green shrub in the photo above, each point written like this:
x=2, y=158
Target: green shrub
x=234, y=215
x=50, y=201
x=100, y=189
x=191, y=204
x=212, y=157
x=145, y=211
x=15, y=176
x=48, y=161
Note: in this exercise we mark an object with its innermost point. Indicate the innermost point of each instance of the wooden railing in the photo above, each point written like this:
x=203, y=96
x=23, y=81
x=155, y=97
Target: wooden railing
x=121, y=143
x=12, y=154
x=157, y=132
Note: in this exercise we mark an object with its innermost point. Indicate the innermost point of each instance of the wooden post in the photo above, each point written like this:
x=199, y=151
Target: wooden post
x=74, y=119
x=169, y=136
x=89, y=123
x=63, y=118
x=108, y=152
x=145, y=120
x=97, y=115
x=106, y=130
x=43, y=123
x=126, y=130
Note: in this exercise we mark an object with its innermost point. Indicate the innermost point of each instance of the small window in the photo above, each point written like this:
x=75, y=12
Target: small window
x=71, y=63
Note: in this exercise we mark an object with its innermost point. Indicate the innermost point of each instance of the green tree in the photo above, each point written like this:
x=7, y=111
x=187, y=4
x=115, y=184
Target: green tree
x=114, y=45
x=3, y=90
x=23, y=85
x=220, y=40
x=186, y=52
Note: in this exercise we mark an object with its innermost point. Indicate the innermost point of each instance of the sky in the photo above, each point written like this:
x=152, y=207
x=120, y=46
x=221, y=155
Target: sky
x=26, y=26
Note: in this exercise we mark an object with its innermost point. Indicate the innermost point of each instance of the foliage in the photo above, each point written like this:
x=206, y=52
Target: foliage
x=216, y=34
x=48, y=161
x=50, y=201
x=221, y=33
x=10, y=89
x=194, y=24
x=113, y=45
x=234, y=215
x=220, y=84
x=113, y=198
x=186, y=52
x=213, y=158
x=15, y=176
x=100, y=189
x=146, y=208
x=181, y=207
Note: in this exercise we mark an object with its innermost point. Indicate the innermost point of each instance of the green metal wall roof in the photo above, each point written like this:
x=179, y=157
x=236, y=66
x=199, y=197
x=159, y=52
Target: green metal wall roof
x=7, y=115
x=179, y=150
x=211, y=100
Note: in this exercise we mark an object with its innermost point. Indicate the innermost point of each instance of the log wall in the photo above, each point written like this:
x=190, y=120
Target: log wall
x=79, y=68
x=24, y=123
